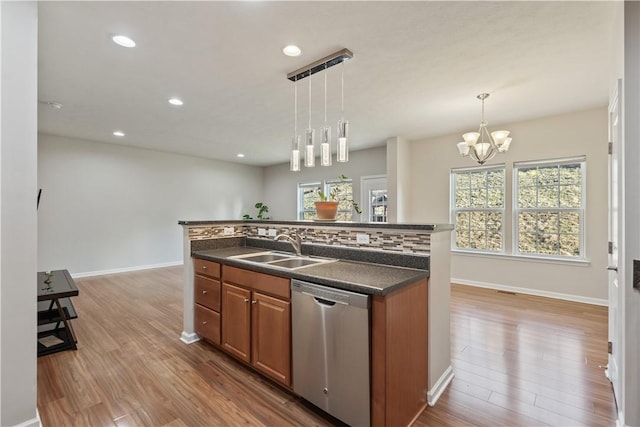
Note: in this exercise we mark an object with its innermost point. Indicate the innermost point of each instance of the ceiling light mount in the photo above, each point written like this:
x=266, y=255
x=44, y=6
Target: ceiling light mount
x=482, y=146
x=320, y=65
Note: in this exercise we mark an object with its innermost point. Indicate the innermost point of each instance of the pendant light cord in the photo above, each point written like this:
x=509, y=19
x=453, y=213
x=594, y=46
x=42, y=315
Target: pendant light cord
x=342, y=89
x=325, y=94
x=295, y=107
x=309, y=100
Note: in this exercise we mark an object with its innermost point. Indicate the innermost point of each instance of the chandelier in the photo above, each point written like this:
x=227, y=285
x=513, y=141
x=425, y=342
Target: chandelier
x=481, y=146
x=342, y=149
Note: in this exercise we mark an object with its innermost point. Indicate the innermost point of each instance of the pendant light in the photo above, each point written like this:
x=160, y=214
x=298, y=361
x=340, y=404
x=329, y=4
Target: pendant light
x=482, y=146
x=309, y=149
x=343, y=127
x=295, y=141
x=325, y=130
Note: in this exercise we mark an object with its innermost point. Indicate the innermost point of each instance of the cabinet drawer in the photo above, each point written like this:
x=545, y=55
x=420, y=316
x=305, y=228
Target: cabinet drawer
x=207, y=292
x=207, y=324
x=208, y=268
x=278, y=286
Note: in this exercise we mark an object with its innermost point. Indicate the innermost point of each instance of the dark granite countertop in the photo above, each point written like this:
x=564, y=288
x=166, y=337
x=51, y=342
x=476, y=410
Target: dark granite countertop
x=344, y=224
x=362, y=277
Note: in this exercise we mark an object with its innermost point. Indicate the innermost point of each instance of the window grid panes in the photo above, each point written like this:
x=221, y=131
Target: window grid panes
x=548, y=215
x=308, y=195
x=478, y=208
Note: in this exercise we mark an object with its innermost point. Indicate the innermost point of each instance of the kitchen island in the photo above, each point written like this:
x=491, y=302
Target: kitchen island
x=396, y=268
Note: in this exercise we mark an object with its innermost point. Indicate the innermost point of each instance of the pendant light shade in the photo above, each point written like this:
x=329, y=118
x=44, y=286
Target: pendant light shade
x=294, y=162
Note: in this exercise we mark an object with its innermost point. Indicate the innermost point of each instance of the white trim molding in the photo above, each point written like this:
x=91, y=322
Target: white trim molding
x=535, y=292
x=189, y=338
x=439, y=387
x=33, y=422
x=125, y=269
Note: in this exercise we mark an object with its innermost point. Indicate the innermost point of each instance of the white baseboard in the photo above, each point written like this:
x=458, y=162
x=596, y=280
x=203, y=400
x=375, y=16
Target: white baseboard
x=529, y=291
x=33, y=422
x=126, y=269
x=439, y=387
x=189, y=338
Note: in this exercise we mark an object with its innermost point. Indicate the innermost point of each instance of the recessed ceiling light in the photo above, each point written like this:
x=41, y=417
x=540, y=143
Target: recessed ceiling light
x=123, y=41
x=240, y=155
x=292, y=50
x=118, y=133
x=175, y=101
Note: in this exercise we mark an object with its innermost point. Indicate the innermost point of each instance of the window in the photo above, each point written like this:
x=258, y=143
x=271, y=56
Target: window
x=549, y=208
x=344, y=191
x=308, y=194
x=477, y=208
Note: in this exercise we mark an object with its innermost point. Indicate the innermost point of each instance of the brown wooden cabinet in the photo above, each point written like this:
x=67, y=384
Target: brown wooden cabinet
x=236, y=321
x=256, y=321
x=206, y=283
x=271, y=336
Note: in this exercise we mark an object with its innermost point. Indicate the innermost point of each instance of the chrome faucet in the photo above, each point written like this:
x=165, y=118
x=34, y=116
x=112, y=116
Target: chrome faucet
x=296, y=241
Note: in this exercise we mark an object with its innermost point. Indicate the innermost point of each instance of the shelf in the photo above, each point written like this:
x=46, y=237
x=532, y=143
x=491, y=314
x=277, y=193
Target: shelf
x=46, y=316
x=60, y=333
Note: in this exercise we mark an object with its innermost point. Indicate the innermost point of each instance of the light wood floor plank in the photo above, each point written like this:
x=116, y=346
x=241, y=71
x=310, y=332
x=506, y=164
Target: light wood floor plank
x=519, y=361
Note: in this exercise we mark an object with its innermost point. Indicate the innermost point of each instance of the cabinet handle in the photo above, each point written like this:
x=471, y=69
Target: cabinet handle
x=204, y=322
x=204, y=292
x=246, y=300
x=204, y=267
x=254, y=302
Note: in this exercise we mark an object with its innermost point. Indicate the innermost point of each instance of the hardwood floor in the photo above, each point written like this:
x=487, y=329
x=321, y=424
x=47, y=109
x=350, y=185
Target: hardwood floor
x=518, y=360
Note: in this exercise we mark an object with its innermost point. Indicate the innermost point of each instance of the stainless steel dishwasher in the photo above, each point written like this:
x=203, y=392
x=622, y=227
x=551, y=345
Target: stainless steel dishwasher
x=330, y=335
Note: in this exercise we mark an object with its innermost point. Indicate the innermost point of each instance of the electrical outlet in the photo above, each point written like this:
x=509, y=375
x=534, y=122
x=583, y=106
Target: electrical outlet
x=362, y=238
x=273, y=232
x=228, y=231
x=262, y=231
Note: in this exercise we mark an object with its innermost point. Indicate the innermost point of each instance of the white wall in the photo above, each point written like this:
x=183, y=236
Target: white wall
x=398, y=179
x=631, y=212
x=18, y=234
x=281, y=185
x=552, y=137
x=110, y=207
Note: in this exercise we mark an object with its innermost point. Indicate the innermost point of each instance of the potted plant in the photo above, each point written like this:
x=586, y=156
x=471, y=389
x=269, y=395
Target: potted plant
x=327, y=207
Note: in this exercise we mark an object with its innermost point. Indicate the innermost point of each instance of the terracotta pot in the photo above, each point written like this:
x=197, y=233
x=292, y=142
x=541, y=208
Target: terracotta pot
x=326, y=210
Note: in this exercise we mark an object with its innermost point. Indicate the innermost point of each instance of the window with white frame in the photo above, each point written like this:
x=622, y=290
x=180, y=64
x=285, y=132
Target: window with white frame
x=549, y=207
x=308, y=195
x=477, y=208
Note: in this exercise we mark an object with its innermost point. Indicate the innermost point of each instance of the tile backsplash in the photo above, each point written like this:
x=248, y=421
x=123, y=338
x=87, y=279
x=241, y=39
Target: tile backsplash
x=384, y=240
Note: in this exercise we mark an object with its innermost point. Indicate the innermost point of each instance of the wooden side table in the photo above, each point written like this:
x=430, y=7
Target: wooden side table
x=55, y=312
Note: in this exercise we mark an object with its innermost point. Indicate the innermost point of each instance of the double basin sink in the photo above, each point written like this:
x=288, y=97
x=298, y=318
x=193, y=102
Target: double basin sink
x=282, y=259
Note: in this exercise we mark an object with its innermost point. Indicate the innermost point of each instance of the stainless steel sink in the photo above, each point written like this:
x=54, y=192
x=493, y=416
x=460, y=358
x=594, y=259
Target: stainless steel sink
x=282, y=260
x=298, y=262
x=265, y=257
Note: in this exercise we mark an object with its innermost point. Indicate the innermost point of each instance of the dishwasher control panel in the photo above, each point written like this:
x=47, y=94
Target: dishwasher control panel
x=334, y=295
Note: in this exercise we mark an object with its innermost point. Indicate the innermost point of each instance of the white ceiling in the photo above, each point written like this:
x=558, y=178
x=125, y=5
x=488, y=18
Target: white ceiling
x=416, y=71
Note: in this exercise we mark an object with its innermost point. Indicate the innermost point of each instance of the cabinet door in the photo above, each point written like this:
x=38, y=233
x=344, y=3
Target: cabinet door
x=207, y=323
x=271, y=337
x=236, y=321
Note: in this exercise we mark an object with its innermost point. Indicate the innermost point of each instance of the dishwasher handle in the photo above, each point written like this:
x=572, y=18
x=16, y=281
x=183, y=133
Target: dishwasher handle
x=330, y=296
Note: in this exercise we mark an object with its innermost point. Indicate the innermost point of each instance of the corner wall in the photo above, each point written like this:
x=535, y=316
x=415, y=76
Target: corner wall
x=281, y=185
x=108, y=207
x=18, y=234
x=547, y=138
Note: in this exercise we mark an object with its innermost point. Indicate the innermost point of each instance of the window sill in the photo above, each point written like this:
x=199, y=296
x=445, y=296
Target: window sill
x=582, y=262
